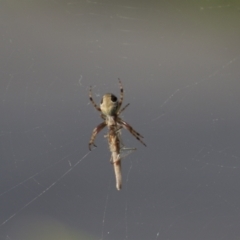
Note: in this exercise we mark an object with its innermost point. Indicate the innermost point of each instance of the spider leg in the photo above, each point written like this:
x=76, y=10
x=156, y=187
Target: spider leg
x=121, y=94
x=129, y=128
x=137, y=135
x=121, y=110
x=92, y=101
x=96, y=130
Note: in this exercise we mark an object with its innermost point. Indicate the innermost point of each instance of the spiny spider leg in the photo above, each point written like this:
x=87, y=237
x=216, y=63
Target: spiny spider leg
x=128, y=127
x=121, y=94
x=121, y=110
x=137, y=135
x=96, y=130
x=92, y=101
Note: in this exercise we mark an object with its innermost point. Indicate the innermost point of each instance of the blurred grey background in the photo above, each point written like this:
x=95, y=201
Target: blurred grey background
x=179, y=62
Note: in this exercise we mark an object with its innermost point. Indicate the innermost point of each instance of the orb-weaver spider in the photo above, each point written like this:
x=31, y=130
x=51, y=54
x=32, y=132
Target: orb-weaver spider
x=110, y=109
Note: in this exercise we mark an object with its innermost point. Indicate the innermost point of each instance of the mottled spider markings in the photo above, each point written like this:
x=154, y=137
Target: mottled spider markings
x=110, y=109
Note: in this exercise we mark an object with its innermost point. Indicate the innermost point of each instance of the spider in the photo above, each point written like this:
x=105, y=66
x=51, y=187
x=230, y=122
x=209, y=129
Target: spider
x=110, y=109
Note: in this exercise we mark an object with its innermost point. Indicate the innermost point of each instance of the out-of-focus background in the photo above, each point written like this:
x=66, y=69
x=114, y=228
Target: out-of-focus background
x=179, y=62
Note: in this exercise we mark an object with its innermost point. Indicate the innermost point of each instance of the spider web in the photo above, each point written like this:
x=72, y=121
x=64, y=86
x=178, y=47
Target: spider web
x=179, y=66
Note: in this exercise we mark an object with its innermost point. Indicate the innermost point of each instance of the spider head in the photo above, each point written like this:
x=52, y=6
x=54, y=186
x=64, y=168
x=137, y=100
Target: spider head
x=109, y=105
